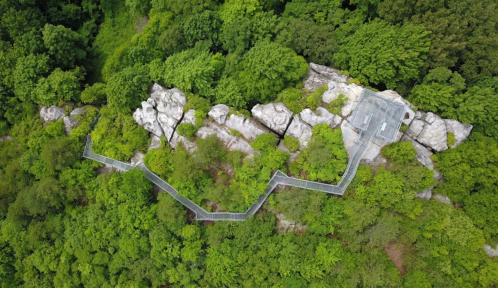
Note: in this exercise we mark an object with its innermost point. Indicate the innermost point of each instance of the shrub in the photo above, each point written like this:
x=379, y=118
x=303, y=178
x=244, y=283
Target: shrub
x=402, y=152
x=187, y=130
x=291, y=143
x=451, y=139
x=264, y=141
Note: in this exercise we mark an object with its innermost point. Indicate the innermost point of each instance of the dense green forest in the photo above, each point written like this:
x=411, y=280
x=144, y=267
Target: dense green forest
x=65, y=224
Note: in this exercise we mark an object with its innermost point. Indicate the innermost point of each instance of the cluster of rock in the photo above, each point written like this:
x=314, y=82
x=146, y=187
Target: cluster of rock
x=55, y=113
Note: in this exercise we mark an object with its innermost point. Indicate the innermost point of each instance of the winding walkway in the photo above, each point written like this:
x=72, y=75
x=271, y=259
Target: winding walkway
x=279, y=178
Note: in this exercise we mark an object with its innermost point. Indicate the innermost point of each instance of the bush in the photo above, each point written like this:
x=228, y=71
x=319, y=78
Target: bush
x=402, y=152
x=335, y=107
x=291, y=97
x=187, y=130
x=291, y=143
x=451, y=139
x=264, y=141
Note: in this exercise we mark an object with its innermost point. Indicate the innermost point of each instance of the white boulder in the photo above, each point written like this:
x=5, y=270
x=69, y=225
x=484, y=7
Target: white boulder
x=319, y=75
x=460, y=131
x=147, y=118
x=322, y=115
x=69, y=124
x=395, y=97
x=190, y=146
x=300, y=130
x=52, y=113
x=351, y=91
x=426, y=194
x=442, y=198
x=137, y=158
x=415, y=128
x=249, y=128
x=490, y=251
x=155, y=142
x=219, y=113
x=434, y=133
x=274, y=116
x=78, y=111
x=231, y=142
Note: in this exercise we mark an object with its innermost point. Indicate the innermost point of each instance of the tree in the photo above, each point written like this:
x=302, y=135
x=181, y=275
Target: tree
x=210, y=150
x=28, y=71
x=95, y=94
x=267, y=69
x=58, y=86
x=402, y=152
x=204, y=26
x=381, y=53
x=127, y=88
x=64, y=45
x=187, y=130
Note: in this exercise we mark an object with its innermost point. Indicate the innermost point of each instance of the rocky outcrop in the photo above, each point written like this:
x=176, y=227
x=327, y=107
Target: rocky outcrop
x=300, y=130
x=319, y=76
x=351, y=91
x=426, y=194
x=460, y=130
x=219, y=113
x=77, y=112
x=231, y=142
x=442, y=198
x=190, y=146
x=434, y=134
x=249, y=128
x=490, y=251
x=169, y=105
x=423, y=155
x=52, y=113
x=69, y=124
x=137, y=158
x=147, y=118
x=155, y=142
x=274, y=116
x=349, y=137
x=322, y=115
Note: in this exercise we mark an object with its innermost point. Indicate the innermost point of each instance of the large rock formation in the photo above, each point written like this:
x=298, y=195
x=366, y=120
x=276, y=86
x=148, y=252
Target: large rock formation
x=349, y=137
x=77, y=112
x=490, y=251
x=274, y=116
x=231, y=142
x=460, y=131
x=395, y=97
x=219, y=113
x=300, y=130
x=249, y=128
x=434, y=134
x=147, y=118
x=351, y=91
x=319, y=76
x=52, y=113
x=322, y=115
x=190, y=146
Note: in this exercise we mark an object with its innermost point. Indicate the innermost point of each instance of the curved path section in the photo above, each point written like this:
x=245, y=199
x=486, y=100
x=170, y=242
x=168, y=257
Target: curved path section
x=279, y=178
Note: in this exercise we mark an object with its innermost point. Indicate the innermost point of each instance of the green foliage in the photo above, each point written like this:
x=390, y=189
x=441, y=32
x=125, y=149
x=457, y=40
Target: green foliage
x=187, y=130
x=63, y=45
x=117, y=135
x=325, y=159
x=291, y=143
x=28, y=71
x=204, y=26
x=381, y=53
x=126, y=89
x=292, y=98
x=210, y=150
x=300, y=205
x=451, y=139
x=402, y=152
x=335, y=107
x=264, y=142
x=58, y=86
x=95, y=94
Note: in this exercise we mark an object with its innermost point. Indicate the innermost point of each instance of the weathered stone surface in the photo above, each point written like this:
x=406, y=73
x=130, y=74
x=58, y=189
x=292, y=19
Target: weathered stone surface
x=249, y=128
x=300, y=130
x=418, y=115
x=434, y=132
x=230, y=141
x=423, y=155
x=52, y=113
x=190, y=146
x=6, y=138
x=319, y=76
x=393, y=95
x=78, y=111
x=69, y=124
x=169, y=104
x=351, y=91
x=490, y=251
x=137, y=158
x=460, y=131
x=426, y=194
x=322, y=115
x=442, y=198
x=152, y=102
x=415, y=128
x=274, y=116
x=219, y=113
x=349, y=137
x=155, y=142
x=147, y=118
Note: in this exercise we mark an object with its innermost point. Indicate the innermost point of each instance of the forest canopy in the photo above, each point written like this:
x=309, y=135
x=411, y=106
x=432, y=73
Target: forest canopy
x=66, y=221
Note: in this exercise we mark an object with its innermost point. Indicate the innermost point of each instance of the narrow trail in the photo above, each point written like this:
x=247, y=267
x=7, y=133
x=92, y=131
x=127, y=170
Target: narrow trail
x=279, y=178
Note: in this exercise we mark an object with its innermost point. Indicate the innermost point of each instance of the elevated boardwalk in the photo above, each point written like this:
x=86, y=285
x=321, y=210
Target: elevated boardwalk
x=372, y=127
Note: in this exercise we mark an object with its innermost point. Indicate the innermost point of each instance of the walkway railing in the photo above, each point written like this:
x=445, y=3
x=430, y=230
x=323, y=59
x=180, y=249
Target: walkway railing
x=279, y=178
